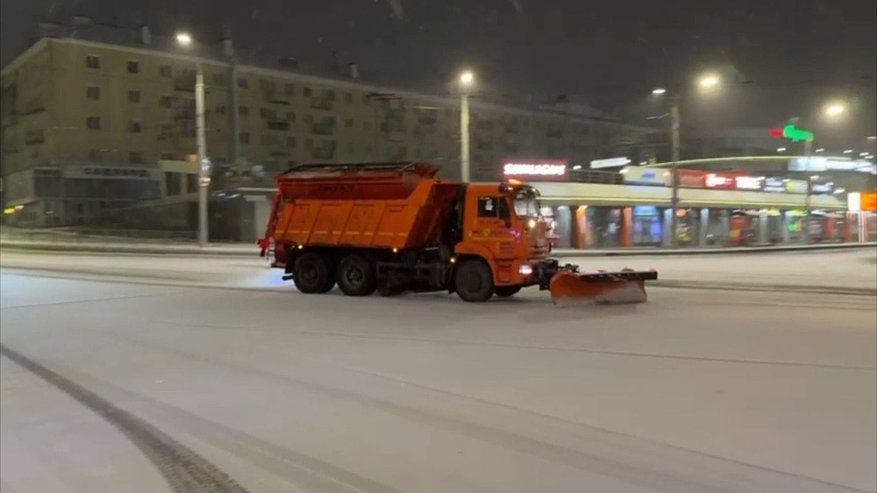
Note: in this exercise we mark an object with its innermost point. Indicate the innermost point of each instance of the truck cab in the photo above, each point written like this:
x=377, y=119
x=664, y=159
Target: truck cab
x=502, y=230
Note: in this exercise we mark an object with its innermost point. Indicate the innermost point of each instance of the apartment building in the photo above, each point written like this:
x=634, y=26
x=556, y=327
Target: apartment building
x=86, y=126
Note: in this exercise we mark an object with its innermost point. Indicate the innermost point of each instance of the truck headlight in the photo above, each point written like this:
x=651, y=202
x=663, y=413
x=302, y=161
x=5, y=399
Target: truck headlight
x=525, y=269
x=531, y=223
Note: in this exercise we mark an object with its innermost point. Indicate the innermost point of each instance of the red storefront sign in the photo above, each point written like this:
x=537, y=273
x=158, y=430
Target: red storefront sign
x=691, y=178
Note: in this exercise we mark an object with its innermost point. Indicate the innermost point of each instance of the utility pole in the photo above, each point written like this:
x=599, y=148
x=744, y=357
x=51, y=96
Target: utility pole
x=203, y=161
x=464, y=137
x=674, y=174
x=808, y=144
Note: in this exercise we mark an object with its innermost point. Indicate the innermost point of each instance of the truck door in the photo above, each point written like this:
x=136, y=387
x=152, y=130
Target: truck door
x=491, y=225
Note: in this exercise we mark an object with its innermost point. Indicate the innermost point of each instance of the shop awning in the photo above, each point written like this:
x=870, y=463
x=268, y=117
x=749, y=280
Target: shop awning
x=566, y=193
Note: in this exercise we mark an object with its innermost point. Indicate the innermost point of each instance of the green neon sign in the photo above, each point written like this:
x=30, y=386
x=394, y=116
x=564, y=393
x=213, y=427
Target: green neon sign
x=790, y=131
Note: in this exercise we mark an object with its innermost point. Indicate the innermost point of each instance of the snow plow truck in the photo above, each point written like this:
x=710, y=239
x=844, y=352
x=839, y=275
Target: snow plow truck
x=397, y=227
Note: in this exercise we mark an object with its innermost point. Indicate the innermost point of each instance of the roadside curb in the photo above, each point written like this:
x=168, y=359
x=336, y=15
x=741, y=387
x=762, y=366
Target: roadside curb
x=245, y=251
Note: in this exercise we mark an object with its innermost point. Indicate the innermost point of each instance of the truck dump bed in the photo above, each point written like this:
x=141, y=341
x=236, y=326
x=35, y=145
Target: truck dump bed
x=380, y=205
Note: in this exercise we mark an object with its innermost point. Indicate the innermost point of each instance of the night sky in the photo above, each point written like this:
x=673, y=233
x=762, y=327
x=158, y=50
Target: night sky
x=781, y=58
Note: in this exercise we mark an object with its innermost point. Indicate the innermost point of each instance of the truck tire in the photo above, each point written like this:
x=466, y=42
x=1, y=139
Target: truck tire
x=506, y=291
x=473, y=281
x=356, y=276
x=312, y=274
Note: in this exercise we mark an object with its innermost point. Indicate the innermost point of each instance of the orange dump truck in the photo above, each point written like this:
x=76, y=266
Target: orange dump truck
x=394, y=227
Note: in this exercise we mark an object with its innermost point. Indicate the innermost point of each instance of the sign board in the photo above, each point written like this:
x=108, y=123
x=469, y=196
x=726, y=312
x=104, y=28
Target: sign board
x=796, y=186
x=690, y=178
x=634, y=175
x=534, y=168
x=868, y=201
x=109, y=172
x=774, y=185
x=748, y=182
x=613, y=162
x=720, y=180
x=819, y=163
x=821, y=187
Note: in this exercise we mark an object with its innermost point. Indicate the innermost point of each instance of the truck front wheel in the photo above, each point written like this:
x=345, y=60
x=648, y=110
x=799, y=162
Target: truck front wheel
x=356, y=276
x=506, y=291
x=473, y=281
x=312, y=274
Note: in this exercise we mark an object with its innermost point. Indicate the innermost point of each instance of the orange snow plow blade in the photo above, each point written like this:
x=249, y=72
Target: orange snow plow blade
x=569, y=287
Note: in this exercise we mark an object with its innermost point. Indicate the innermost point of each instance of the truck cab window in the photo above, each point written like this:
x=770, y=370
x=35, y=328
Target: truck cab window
x=487, y=207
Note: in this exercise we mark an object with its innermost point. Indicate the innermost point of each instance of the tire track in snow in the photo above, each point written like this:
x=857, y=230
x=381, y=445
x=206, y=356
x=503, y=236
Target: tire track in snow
x=184, y=470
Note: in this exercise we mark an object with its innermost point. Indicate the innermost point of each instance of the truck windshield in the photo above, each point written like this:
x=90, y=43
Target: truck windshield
x=525, y=204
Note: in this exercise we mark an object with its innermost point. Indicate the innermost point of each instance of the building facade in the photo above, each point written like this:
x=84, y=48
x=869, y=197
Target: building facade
x=85, y=125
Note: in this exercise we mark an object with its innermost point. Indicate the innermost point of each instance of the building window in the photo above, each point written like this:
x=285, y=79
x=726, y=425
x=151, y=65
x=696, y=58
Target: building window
x=348, y=123
x=243, y=110
x=219, y=80
x=307, y=92
x=329, y=94
x=220, y=110
x=266, y=85
x=92, y=61
x=133, y=67
x=289, y=89
x=290, y=141
x=165, y=71
x=135, y=157
x=243, y=83
x=348, y=97
x=92, y=93
x=93, y=122
x=135, y=127
x=245, y=138
x=133, y=96
x=290, y=116
x=166, y=101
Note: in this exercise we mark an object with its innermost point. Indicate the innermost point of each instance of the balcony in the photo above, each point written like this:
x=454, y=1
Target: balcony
x=277, y=97
x=323, y=153
x=321, y=104
x=185, y=84
x=326, y=127
x=281, y=125
x=34, y=137
x=34, y=106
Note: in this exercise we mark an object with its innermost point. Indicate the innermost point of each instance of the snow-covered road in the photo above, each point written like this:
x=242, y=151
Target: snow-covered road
x=119, y=359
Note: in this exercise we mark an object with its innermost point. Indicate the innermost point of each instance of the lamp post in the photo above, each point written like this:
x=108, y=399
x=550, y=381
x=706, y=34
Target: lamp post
x=185, y=41
x=466, y=79
x=706, y=82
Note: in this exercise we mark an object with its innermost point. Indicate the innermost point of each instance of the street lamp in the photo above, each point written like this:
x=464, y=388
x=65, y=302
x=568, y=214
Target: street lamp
x=658, y=91
x=184, y=39
x=467, y=80
x=848, y=151
x=835, y=109
x=821, y=149
x=708, y=81
x=781, y=149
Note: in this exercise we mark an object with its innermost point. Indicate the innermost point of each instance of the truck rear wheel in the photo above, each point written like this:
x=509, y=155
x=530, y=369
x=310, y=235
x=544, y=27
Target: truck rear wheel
x=312, y=274
x=506, y=291
x=473, y=281
x=356, y=276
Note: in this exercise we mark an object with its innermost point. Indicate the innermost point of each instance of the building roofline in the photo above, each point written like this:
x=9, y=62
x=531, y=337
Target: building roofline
x=443, y=100
x=24, y=55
